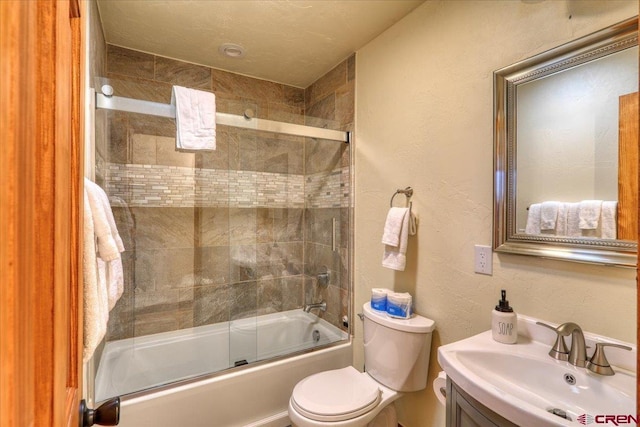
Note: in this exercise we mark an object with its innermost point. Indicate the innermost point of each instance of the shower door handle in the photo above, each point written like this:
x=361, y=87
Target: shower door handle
x=107, y=414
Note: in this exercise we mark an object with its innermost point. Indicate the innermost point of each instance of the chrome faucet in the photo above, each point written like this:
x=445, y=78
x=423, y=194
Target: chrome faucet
x=577, y=355
x=578, y=351
x=322, y=306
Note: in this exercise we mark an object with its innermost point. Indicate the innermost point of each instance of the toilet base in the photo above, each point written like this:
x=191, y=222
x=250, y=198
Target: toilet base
x=384, y=415
x=386, y=418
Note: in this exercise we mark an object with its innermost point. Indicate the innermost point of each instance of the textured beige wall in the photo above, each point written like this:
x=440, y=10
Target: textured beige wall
x=424, y=119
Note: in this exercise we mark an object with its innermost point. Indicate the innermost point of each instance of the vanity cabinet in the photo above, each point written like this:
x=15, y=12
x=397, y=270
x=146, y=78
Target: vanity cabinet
x=464, y=411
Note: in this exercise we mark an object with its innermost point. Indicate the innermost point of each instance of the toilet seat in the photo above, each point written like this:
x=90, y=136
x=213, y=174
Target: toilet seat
x=336, y=395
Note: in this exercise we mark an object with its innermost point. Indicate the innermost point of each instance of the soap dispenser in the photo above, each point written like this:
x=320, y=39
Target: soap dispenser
x=504, y=322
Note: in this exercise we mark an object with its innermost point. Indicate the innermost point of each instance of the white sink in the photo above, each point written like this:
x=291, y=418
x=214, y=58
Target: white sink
x=521, y=382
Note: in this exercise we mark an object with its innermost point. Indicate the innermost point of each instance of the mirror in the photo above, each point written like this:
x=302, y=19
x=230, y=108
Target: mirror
x=566, y=151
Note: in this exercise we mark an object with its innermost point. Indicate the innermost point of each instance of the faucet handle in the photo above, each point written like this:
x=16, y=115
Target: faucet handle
x=599, y=363
x=559, y=350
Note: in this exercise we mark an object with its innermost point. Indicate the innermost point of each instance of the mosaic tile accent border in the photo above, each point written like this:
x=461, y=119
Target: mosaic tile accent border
x=328, y=189
x=175, y=186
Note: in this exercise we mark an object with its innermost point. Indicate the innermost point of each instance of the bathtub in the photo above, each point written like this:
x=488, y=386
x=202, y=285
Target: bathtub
x=252, y=395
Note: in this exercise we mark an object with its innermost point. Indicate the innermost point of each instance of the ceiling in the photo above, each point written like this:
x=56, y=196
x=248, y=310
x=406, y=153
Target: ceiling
x=287, y=41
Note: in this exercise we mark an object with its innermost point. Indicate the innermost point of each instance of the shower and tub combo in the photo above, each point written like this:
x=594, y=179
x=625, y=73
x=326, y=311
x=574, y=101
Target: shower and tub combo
x=237, y=262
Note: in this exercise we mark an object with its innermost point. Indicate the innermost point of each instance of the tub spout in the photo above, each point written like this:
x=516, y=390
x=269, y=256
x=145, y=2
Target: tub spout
x=322, y=306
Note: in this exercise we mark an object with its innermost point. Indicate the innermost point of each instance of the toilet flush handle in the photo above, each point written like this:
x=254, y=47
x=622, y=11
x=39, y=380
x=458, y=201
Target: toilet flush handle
x=361, y=316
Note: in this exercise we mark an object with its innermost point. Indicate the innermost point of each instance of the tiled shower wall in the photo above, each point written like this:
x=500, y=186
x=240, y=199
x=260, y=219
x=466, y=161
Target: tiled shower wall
x=228, y=234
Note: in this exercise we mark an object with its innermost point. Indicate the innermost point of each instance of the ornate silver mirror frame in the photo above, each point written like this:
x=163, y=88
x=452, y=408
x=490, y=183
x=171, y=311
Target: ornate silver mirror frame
x=506, y=80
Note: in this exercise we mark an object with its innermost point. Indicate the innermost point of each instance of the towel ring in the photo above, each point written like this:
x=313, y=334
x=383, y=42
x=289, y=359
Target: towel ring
x=408, y=192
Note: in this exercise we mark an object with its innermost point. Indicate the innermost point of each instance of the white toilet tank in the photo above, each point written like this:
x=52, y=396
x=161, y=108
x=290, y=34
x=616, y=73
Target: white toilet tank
x=396, y=351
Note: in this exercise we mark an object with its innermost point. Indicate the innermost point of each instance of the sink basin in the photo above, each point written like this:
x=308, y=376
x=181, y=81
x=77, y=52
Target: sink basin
x=522, y=383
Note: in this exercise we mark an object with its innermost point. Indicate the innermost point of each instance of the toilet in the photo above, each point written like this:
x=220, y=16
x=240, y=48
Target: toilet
x=396, y=356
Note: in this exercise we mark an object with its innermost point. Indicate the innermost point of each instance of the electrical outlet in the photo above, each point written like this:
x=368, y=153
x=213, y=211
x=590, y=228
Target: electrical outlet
x=483, y=259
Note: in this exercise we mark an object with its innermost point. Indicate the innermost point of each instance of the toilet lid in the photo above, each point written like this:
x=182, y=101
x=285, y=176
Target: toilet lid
x=336, y=395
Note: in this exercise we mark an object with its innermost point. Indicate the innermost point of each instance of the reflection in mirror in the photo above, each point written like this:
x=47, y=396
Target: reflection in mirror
x=566, y=151
x=567, y=136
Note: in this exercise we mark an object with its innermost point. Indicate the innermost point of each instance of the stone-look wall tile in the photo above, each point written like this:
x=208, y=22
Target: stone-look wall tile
x=331, y=295
x=151, y=125
x=158, y=228
x=326, y=84
x=143, y=149
x=229, y=263
x=270, y=295
x=278, y=260
x=285, y=113
x=243, y=151
x=291, y=229
x=223, y=83
x=334, y=305
x=233, y=104
x=279, y=225
x=322, y=114
x=279, y=156
x=219, y=158
x=292, y=292
x=168, y=155
x=345, y=227
x=311, y=293
x=211, y=304
x=319, y=225
x=127, y=62
x=318, y=257
x=156, y=300
x=156, y=322
x=161, y=269
x=212, y=227
x=117, y=137
x=182, y=73
x=293, y=96
x=242, y=264
x=185, y=319
x=121, y=317
x=102, y=135
x=346, y=160
x=345, y=104
x=97, y=44
x=143, y=272
x=322, y=155
x=265, y=223
x=344, y=269
x=242, y=226
x=212, y=266
x=244, y=300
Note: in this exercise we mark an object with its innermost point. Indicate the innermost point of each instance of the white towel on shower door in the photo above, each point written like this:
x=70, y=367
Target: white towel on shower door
x=95, y=300
x=195, y=119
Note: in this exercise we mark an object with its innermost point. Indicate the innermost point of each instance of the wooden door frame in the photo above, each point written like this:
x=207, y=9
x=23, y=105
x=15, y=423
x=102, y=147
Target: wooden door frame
x=40, y=175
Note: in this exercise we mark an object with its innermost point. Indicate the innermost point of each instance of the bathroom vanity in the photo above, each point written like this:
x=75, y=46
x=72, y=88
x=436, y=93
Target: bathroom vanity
x=495, y=384
x=465, y=411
